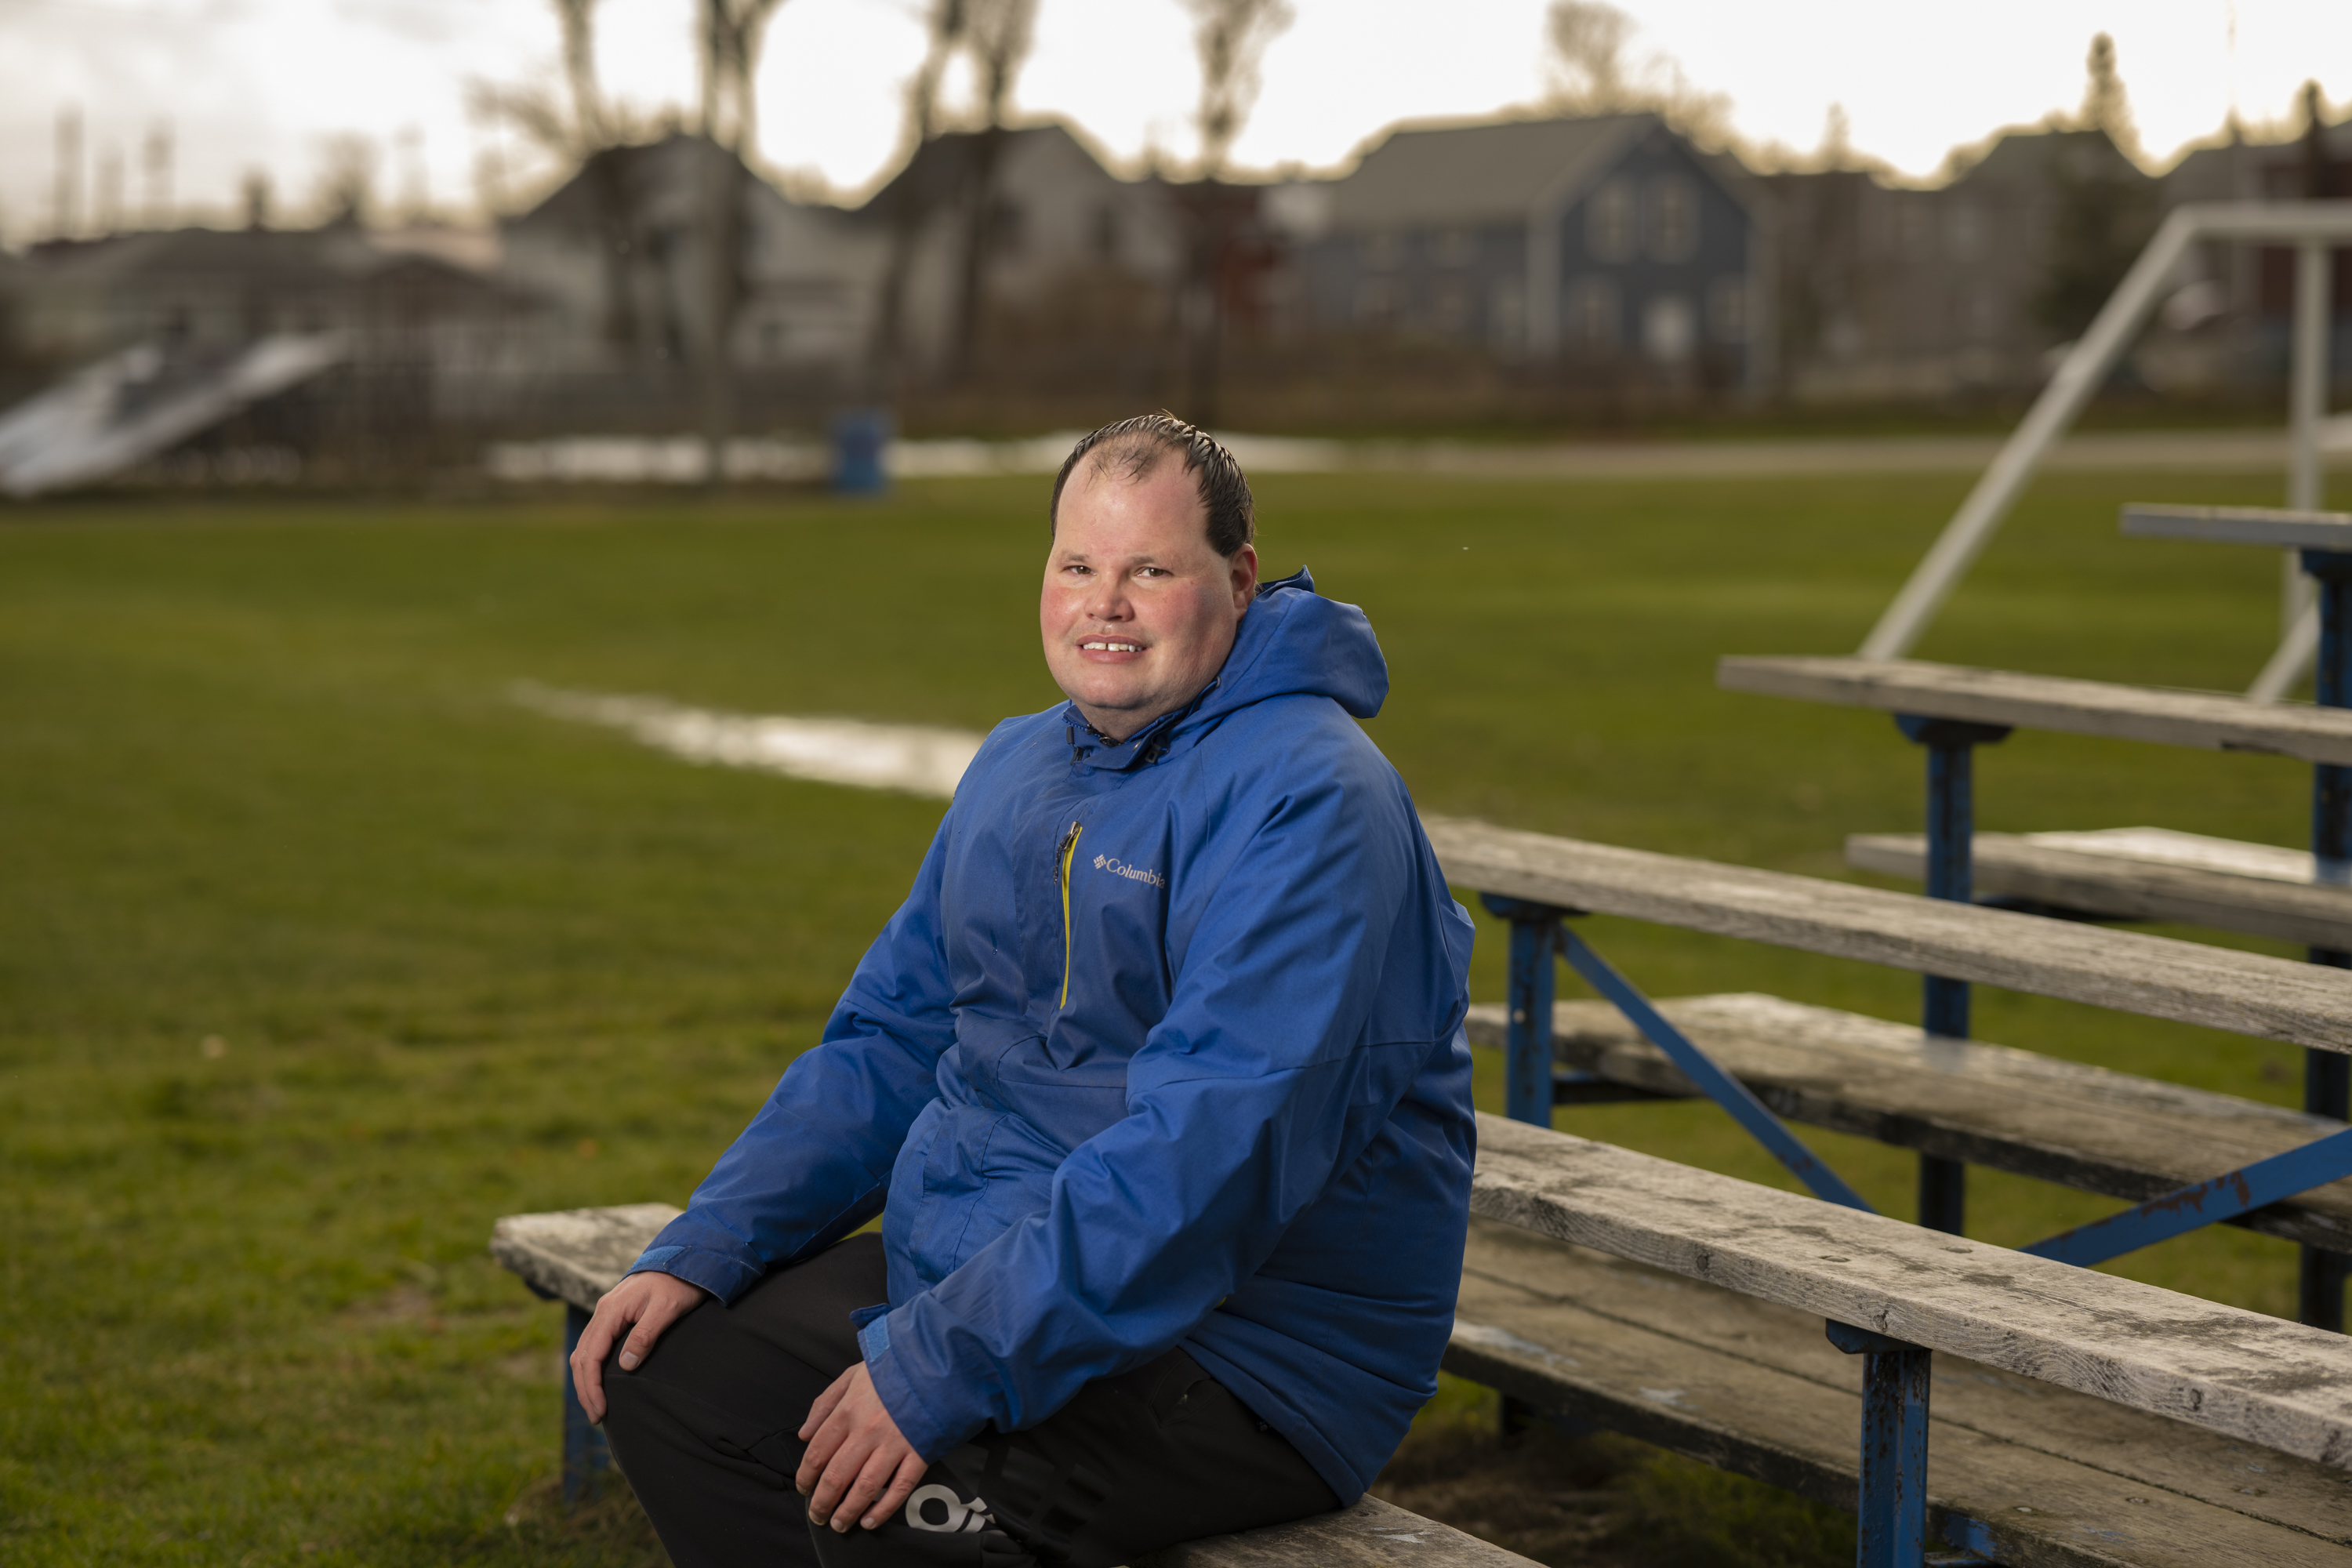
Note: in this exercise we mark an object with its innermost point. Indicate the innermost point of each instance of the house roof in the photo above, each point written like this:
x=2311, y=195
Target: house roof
x=335, y=261
x=941, y=169
x=1447, y=174
x=2239, y=168
x=639, y=176
x=2034, y=157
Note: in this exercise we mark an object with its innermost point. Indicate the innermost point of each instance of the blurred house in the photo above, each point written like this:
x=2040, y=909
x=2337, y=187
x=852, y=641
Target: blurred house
x=1067, y=253
x=621, y=257
x=201, y=291
x=1891, y=293
x=1608, y=245
x=385, y=346
x=2226, y=321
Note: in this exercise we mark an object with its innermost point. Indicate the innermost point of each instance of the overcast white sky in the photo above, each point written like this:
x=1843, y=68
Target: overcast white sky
x=247, y=84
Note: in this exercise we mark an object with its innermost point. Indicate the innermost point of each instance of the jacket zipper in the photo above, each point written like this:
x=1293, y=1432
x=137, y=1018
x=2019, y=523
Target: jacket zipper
x=1065, y=854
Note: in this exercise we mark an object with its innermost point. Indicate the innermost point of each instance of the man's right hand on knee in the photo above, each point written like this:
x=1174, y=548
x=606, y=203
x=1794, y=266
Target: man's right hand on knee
x=644, y=1305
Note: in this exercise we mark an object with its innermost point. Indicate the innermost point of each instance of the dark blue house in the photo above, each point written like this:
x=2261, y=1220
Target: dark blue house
x=1608, y=243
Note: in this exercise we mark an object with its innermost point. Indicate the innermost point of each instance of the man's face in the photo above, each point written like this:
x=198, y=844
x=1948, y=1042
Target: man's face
x=1138, y=611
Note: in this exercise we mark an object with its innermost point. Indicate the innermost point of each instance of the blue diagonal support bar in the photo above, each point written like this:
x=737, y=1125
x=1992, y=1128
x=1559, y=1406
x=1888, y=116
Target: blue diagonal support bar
x=2314, y=1165
x=1712, y=1080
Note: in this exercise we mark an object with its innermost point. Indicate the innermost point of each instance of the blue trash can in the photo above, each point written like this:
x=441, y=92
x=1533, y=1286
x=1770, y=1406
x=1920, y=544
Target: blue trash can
x=860, y=437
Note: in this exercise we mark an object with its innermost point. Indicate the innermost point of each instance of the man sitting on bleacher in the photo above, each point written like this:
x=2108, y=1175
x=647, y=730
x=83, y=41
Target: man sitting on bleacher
x=1157, y=1080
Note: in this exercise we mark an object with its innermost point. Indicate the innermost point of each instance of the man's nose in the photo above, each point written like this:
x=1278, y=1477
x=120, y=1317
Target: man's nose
x=1106, y=600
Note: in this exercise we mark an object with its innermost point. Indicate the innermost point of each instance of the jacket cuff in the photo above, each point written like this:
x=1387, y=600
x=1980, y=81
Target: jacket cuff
x=930, y=1431
x=722, y=1273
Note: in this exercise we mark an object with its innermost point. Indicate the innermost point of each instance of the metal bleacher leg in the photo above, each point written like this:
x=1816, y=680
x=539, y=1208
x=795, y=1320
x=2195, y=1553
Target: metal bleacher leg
x=1951, y=840
x=585, y=1454
x=1527, y=1094
x=1535, y=937
x=2328, y=1075
x=1895, y=1376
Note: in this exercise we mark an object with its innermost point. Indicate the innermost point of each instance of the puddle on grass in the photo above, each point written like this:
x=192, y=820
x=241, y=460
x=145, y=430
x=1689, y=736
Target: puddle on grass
x=915, y=758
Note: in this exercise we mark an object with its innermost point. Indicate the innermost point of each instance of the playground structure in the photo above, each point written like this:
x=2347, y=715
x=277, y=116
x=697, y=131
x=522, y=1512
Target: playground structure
x=2313, y=228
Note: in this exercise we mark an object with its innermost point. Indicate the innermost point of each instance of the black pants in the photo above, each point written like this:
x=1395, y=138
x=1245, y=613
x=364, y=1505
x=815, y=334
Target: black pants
x=705, y=1430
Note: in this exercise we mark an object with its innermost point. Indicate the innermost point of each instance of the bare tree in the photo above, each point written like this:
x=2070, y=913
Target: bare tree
x=996, y=38
x=578, y=19
x=944, y=36
x=1230, y=38
x=1592, y=73
x=1587, y=67
x=346, y=188
x=2318, y=180
x=578, y=129
x=2106, y=105
x=731, y=34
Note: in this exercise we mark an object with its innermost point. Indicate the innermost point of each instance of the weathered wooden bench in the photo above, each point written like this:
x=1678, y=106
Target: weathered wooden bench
x=2074, y=1417
x=1951, y=710
x=574, y=1256
x=2141, y=874
x=1534, y=879
x=2200, y=720
x=2194, y=1159
x=2084, y=1127
x=2159, y=977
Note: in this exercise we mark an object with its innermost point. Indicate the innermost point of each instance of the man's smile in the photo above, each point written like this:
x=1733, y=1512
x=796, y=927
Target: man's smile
x=1109, y=645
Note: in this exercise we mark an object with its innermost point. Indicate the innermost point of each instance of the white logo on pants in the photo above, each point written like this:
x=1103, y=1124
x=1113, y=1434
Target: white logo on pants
x=956, y=1514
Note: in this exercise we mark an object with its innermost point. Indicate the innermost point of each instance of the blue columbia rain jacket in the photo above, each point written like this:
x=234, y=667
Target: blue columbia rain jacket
x=1164, y=1047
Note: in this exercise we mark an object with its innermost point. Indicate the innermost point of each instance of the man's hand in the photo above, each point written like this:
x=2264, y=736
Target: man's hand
x=857, y=1467
x=652, y=1301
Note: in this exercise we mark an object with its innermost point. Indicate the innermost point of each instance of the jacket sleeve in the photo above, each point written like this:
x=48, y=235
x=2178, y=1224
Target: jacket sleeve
x=1256, y=1090
x=816, y=1162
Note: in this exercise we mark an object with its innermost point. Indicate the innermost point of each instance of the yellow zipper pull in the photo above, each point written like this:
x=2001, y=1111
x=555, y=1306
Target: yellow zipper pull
x=1068, y=852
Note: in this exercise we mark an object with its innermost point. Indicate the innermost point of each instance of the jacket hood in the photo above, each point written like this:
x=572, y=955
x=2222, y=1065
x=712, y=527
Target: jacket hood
x=1291, y=642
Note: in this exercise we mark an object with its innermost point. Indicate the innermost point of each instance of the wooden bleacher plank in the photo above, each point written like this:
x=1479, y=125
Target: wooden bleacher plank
x=2262, y=1380
x=1371, y=1534
x=2127, y=887
x=1757, y=1389
x=2161, y=977
x=2272, y=526
x=577, y=1255
x=2083, y=1127
x=2202, y=852
x=2203, y=719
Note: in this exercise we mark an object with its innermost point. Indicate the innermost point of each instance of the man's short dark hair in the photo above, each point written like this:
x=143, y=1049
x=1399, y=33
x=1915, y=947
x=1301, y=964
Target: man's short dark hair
x=1133, y=447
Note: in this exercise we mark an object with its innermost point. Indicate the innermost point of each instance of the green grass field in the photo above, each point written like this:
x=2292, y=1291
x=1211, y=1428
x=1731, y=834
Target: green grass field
x=261, y=785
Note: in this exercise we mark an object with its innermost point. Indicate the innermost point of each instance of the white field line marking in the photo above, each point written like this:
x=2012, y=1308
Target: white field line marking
x=915, y=757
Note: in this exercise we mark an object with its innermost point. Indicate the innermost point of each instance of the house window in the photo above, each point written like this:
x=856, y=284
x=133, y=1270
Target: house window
x=1674, y=218
x=1669, y=329
x=1384, y=252
x=1377, y=300
x=1726, y=309
x=1608, y=222
x=1596, y=314
x=1105, y=236
x=1457, y=248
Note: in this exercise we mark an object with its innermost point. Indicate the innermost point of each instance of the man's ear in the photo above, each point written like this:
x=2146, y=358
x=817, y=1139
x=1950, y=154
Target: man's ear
x=1244, y=571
